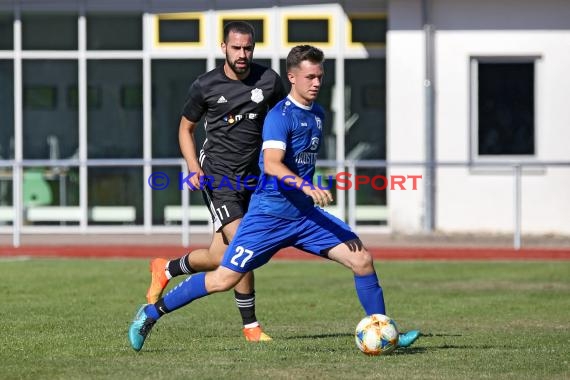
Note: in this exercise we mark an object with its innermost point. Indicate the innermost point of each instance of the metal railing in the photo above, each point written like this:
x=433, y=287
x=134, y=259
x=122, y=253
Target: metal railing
x=351, y=167
x=515, y=166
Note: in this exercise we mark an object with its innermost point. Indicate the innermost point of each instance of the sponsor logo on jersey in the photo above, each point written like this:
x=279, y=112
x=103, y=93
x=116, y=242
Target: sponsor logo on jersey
x=305, y=158
x=230, y=119
x=222, y=99
x=257, y=95
x=234, y=118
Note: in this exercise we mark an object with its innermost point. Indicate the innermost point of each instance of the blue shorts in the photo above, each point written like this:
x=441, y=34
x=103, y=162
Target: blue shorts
x=260, y=236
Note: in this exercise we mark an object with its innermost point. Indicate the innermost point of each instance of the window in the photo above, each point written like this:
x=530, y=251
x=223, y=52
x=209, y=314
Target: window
x=179, y=28
x=49, y=126
x=171, y=80
x=504, y=107
x=114, y=32
x=6, y=32
x=369, y=30
x=6, y=110
x=308, y=30
x=115, y=128
x=365, y=108
x=47, y=31
x=365, y=138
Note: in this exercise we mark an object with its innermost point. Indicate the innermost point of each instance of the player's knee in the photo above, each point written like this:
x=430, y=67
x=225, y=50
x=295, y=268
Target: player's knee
x=219, y=287
x=223, y=280
x=363, y=263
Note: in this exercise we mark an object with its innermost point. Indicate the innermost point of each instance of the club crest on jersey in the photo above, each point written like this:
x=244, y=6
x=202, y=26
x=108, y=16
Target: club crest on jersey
x=257, y=95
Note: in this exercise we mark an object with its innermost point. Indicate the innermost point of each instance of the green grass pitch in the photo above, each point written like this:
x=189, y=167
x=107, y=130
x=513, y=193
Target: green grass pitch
x=68, y=319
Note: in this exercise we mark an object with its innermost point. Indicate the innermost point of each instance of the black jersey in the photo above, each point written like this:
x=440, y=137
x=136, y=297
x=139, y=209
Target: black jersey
x=234, y=112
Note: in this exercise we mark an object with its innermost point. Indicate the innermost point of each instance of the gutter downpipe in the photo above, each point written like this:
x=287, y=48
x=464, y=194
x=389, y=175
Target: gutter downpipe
x=430, y=158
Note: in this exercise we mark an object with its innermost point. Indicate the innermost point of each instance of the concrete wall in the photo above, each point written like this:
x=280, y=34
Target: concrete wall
x=405, y=110
x=481, y=199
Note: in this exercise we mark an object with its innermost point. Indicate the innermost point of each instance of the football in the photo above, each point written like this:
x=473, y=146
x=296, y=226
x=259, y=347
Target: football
x=376, y=334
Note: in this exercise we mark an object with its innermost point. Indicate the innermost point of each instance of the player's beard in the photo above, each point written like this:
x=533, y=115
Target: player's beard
x=235, y=68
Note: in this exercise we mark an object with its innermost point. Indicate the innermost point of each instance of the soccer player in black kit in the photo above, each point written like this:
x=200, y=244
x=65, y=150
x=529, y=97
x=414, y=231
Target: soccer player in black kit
x=234, y=99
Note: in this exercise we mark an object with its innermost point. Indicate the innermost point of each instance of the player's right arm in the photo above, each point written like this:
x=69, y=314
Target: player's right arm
x=187, y=144
x=273, y=156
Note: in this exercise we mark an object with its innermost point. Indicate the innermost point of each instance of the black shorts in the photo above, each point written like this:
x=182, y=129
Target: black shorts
x=226, y=206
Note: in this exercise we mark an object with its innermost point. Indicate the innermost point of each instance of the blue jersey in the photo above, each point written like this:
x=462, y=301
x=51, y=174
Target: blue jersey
x=280, y=216
x=296, y=129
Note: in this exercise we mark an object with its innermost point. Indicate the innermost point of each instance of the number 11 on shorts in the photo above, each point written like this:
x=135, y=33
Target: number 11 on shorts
x=221, y=214
x=241, y=251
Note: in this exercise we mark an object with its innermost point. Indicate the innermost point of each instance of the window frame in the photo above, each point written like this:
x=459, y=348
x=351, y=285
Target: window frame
x=191, y=16
x=90, y=25
x=329, y=18
x=27, y=16
x=9, y=17
x=474, y=61
x=364, y=16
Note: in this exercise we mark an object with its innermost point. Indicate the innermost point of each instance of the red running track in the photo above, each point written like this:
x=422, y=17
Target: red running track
x=379, y=253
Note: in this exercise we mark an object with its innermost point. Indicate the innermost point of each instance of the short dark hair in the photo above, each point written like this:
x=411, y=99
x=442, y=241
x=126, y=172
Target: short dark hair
x=242, y=27
x=302, y=53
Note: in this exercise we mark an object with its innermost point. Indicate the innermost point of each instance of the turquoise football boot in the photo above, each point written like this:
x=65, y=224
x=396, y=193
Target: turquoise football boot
x=408, y=338
x=140, y=328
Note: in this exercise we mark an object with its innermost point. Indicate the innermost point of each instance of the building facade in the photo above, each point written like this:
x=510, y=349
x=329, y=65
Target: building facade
x=91, y=93
x=499, y=97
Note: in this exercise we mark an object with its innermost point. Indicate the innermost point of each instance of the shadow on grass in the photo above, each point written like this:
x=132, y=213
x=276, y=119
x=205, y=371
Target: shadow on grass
x=319, y=336
x=410, y=351
x=438, y=335
x=444, y=346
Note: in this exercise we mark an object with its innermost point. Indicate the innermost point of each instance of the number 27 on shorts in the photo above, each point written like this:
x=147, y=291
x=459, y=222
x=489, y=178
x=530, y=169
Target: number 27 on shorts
x=241, y=254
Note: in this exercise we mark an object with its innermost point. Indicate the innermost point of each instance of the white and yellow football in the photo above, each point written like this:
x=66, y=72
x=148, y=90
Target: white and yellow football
x=376, y=334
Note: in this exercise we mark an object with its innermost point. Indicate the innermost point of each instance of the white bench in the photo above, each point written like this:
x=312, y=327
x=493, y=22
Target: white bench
x=125, y=214
x=371, y=213
x=6, y=214
x=119, y=214
x=173, y=214
x=53, y=214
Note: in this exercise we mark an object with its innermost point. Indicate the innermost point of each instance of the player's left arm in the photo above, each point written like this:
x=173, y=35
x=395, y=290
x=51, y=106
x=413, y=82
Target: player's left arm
x=273, y=165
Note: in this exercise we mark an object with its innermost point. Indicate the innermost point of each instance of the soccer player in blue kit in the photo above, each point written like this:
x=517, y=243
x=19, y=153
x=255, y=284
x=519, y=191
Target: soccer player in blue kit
x=284, y=208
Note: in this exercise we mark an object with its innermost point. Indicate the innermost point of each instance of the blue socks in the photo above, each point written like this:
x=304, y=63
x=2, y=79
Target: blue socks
x=367, y=287
x=187, y=291
x=370, y=293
